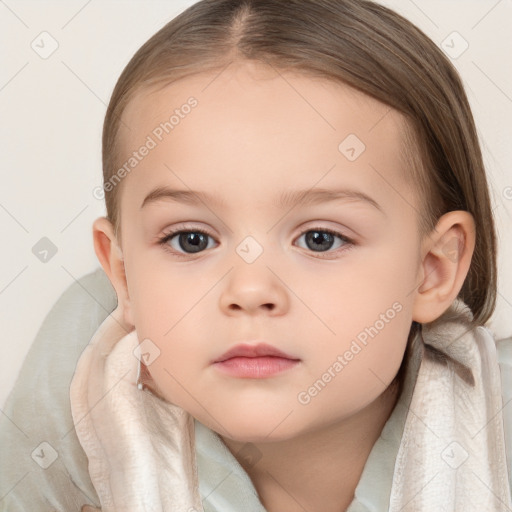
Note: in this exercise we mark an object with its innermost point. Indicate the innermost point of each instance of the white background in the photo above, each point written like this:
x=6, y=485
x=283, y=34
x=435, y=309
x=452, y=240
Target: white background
x=52, y=111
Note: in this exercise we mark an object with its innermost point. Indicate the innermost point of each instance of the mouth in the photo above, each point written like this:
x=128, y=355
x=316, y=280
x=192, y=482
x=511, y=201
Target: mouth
x=254, y=361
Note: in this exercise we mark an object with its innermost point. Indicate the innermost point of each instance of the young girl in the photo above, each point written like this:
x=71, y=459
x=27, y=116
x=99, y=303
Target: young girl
x=301, y=242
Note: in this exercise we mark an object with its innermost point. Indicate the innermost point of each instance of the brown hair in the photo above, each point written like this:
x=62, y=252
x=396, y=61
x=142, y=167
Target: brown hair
x=356, y=42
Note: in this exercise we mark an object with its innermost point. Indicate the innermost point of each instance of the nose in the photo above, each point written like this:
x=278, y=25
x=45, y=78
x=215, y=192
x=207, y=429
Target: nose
x=254, y=289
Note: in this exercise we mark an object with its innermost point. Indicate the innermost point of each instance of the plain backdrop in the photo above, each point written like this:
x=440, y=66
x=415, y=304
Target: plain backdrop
x=52, y=109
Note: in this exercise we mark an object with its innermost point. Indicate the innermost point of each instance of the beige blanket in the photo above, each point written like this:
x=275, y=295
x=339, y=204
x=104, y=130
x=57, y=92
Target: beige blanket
x=451, y=457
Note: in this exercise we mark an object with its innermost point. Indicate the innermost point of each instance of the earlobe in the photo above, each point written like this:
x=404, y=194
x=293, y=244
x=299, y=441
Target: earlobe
x=447, y=258
x=111, y=258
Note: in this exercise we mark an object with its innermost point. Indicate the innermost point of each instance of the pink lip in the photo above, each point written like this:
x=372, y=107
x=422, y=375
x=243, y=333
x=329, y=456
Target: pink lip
x=254, y=361
x=259, y=350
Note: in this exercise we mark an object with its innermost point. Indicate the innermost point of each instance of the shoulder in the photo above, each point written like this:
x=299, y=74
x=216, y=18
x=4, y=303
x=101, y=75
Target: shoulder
x=43, y=464
x=63, y=335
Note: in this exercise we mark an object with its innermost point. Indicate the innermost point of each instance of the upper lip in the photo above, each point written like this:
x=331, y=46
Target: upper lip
x=253, y=350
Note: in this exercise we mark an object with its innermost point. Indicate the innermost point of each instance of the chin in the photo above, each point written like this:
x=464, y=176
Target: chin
x=254, y=428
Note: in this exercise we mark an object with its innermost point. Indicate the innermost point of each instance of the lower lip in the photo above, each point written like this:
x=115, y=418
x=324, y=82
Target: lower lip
x=255, y=367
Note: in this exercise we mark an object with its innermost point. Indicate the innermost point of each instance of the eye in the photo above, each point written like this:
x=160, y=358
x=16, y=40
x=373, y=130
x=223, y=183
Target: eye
x=322, y=240
x=182, y=242
x=187, y=242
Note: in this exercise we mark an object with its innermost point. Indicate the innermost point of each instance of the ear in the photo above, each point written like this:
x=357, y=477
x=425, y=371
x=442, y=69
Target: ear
x=446, y=258
x=110, y=255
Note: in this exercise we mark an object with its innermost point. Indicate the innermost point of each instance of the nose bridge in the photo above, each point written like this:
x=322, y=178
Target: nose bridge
x=252, y=285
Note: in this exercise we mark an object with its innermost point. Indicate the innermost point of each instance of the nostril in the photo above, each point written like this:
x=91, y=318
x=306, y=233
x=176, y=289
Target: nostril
x=270, y=306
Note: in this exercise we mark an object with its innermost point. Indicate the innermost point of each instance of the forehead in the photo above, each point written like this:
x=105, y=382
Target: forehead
x=325, y=105
x=263, y=128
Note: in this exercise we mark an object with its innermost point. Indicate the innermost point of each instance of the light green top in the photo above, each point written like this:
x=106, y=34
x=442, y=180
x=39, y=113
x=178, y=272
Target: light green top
x=38, y=411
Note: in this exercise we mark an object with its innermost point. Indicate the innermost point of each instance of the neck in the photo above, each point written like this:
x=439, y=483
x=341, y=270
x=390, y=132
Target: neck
x=318, y=470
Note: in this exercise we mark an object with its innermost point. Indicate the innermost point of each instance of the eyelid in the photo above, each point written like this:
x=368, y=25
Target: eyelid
x=191, y=228
x=185, y=227
x=318, y=227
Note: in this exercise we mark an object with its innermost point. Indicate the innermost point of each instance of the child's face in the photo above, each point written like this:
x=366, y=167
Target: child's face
x=344, y=312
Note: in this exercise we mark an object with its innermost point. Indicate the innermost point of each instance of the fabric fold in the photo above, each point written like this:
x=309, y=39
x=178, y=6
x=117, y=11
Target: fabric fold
x=140, y=448
x=142, y=454
x=452, y=452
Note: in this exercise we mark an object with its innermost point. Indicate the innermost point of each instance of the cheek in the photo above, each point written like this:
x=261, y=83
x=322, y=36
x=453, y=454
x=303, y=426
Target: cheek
x=368, y=285
x=346, y=380
x=175, y=373
x=167, y=313
x=159, y=294
x=367, y=320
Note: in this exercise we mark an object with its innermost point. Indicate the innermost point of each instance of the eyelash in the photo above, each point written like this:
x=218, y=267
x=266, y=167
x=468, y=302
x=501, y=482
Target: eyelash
x=348, y=242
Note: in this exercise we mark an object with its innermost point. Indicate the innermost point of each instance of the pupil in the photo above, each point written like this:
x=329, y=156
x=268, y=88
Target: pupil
x=320, y=237
x=196, y=241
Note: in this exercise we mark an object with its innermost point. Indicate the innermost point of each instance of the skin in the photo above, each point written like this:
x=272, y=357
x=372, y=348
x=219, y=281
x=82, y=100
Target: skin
x=255, y=134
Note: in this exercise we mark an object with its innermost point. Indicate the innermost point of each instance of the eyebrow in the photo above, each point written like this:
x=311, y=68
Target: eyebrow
x=288, y=199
